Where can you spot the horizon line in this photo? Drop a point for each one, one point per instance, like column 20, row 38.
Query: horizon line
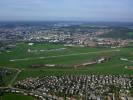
column 63, row 21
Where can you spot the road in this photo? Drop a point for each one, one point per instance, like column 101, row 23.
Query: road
column 86, row 90
column 22, row 91
column 15, row 77
column 28, row 92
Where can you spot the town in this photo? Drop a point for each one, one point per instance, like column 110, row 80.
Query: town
column 66, row 49
column 64, row 61
column 91, row 87
column 64, row 33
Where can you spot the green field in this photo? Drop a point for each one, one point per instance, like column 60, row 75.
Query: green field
column 40, row 53
column 130, row 33
column 15, row 97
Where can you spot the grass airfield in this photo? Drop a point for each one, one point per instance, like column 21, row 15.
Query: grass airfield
column 24, row 55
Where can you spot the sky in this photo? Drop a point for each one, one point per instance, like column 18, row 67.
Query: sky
column 67, row 10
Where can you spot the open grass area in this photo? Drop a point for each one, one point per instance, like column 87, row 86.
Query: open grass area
column 130, row 33
column 7, row 78
column 15, row 97
column 21, row 58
